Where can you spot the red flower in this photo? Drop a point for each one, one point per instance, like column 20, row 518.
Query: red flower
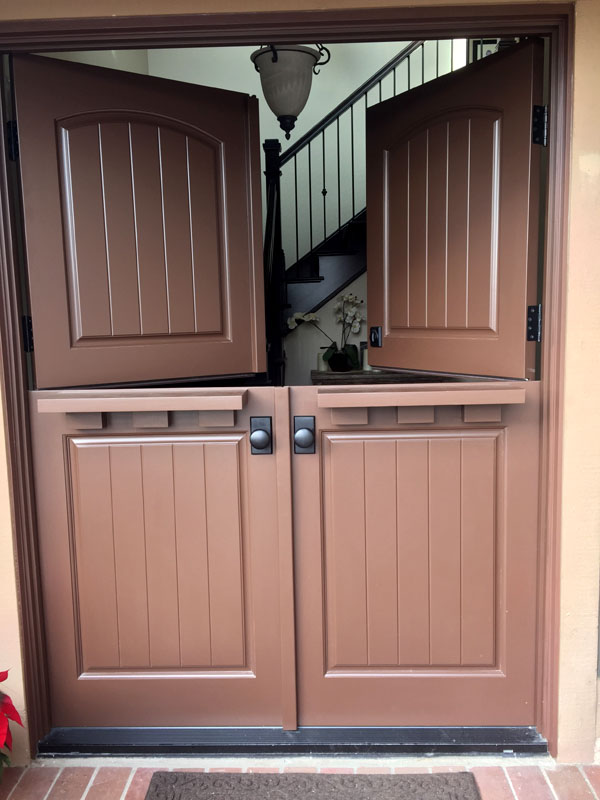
column 7, row 712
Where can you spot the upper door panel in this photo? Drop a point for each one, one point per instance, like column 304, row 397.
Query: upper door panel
column 452, row 194
column 142, row 221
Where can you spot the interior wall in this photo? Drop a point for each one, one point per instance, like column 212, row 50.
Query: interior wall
column 128, row 60
column 231, row 68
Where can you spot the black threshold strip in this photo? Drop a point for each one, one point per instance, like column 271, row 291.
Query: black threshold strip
column 265, row 741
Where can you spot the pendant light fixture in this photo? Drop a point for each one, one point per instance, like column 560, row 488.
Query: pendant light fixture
column 286, row 76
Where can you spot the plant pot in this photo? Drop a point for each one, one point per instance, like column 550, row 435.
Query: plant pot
column 339, row 362
column 342, row 360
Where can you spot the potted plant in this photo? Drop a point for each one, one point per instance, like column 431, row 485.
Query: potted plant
column 347, row 313
column 7, row 713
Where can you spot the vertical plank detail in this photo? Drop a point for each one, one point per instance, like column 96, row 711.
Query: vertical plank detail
column 413, row 551
column 161, row 558
column 224, row 529
column 444, row 550
column 381, row 551
column 417, row 240
column 84, row 223
column 130, row 555
column 192, row 560
column 458, row 211
column 121, row 252
column 149, row 228
column 437, row 221
column 176, row 221
column 478, row 493
column 206, row 230
column 95, row 557
column 345, row 554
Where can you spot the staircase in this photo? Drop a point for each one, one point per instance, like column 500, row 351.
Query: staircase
column 315, row 236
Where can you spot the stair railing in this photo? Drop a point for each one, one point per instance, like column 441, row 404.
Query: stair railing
column 330, row 153
column 329, row 159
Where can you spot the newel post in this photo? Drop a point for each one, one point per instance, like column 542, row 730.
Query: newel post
column 274, row 265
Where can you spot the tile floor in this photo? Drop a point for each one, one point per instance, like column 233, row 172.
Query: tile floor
column 128, row 779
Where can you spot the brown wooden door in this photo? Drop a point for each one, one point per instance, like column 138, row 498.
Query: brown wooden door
column 452, row 198
column 142, row 215
column 415, row 526
column 162, row 541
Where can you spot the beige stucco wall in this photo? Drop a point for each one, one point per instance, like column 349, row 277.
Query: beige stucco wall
column 581, row 489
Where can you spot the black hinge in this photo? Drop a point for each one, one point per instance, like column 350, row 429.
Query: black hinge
column 27, row 334
column 539, row 125
column 12, row 140
column 534, row 323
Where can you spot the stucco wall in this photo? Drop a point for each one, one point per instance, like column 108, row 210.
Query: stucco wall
column 581, row 488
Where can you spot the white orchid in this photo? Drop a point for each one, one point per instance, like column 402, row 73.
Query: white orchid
column 291, row 323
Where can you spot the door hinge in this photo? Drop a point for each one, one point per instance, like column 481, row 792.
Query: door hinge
column 27, row 333
column 539, row 125
column 534, row 323
column 12, row 140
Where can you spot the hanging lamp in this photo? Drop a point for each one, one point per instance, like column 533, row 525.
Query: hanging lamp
column 286, row 76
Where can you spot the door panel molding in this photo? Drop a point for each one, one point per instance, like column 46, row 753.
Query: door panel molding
column 406, row 549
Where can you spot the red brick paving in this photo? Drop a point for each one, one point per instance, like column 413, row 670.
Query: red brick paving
column 35, row 783
column 10, row 778
column 139, row 784
column 529, row 783
column 71, row 783
column 492, row 782
column 569, row 783
column 593, row 776
column 108, row 783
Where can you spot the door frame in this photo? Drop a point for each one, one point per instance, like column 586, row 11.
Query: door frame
column 553, row 20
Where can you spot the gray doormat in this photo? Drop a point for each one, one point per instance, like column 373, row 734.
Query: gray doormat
column 223, row 786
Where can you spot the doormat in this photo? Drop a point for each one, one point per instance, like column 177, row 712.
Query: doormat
column 222, row 786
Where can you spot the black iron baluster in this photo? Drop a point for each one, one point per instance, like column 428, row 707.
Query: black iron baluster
column 324, row 189
column 310, row 214
column 338, row 176
column 380, row 98
column 352, row 157
column 296, row 204
column 394, row 81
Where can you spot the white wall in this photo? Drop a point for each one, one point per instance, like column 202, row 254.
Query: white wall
column 128, row 60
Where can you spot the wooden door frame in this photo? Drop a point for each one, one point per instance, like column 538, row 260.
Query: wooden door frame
column 553, row 20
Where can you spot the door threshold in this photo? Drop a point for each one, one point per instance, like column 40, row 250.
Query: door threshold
column 265, row 741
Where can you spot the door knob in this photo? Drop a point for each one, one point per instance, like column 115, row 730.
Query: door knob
column 304, row 435
column 261, row 438
column 304, row 438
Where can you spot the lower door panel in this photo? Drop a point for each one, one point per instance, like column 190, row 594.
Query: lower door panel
column 416, row 534
column 159, row 557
